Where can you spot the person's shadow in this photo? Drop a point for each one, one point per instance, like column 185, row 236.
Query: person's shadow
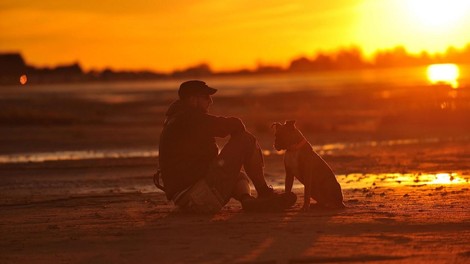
column 235, row 236
column 282, row 237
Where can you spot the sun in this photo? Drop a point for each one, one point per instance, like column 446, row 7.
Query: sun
column 438, row 14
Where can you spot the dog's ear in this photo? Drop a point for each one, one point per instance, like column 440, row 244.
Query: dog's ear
column 290, row 123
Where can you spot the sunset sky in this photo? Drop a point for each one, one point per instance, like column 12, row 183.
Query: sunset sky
column 227, row 34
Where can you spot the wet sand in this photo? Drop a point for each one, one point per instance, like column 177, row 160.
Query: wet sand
column 406, row 183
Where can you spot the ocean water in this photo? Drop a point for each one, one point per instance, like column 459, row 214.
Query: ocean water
column 324, row 82
column 330, row 149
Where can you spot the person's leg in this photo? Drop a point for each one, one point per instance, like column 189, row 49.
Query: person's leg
column 243, row 150
column 206, row 198
column 241, row 188
column 200, row 198
column 226, row 180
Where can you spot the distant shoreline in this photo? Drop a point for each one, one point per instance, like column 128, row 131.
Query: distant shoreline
column 13, row 67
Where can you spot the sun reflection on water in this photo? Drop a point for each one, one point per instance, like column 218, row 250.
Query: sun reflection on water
column 400, row 179
column 447, row 178
column 446, row 73
column 366, row 181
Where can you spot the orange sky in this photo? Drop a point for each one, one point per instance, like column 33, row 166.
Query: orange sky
column 227, row 34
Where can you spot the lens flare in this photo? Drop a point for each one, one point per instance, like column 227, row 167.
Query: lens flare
column 23, row 79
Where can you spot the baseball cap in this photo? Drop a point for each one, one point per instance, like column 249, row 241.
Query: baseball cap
column 195, row 88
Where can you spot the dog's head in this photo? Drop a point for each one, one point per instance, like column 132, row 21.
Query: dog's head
column 286, row 135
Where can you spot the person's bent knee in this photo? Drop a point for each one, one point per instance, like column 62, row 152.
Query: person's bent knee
column 242, row 187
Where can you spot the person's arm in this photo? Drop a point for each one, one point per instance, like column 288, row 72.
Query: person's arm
column 224, row 126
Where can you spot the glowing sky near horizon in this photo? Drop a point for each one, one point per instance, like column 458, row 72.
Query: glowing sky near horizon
column 230, row 34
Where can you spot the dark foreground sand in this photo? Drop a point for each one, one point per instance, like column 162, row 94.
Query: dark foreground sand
column 425, row 224
column 402, row 159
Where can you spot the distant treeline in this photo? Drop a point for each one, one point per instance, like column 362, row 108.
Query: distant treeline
column 13, row 66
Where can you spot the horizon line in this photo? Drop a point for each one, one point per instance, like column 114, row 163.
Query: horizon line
column 332, row 53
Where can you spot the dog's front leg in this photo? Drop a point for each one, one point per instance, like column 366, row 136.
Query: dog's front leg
column 306, row 171
column 289, row 180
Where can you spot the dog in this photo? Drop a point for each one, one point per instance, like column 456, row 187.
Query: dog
column 302, row 162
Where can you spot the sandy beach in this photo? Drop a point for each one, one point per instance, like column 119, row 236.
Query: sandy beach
column 72, row 192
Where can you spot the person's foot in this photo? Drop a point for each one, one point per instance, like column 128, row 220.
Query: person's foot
column 268, row 192
column 269, row 203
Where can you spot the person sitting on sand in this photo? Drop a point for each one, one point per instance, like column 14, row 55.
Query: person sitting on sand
column 196, row 177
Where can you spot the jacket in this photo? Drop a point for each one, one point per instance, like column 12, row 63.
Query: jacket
column 187, row 145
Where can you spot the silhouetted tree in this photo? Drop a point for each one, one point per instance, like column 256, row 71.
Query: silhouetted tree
column 301, row 64
column 268, row 69
column 72, row 69
column 349, row 59
column 323, row 62
column 200, row 70
column 465, row 54
column 395, row 57
column 424, row 58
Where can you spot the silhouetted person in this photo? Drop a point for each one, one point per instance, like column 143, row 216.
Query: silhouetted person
column 196, row 176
